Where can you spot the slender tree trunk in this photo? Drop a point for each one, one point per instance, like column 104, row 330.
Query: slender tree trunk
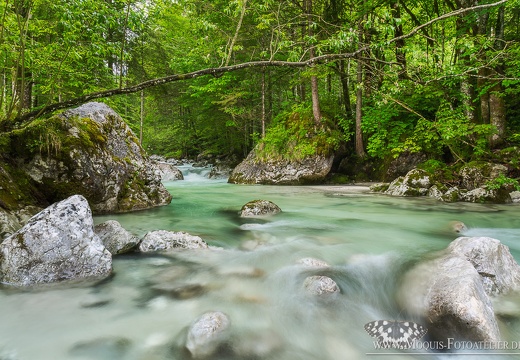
column 316, row 110
column 400, row 55
column 263, row 103
column 360, row 147
column 235, row 37
column 344, row 79
column 142, row 119
column 497, row 106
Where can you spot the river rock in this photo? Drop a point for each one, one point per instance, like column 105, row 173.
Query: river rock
column 319, row 285
column 168, row 172
column 475, row 175
column 109, row 348
column 259, row 208
column 207, row 334
column 449, row 293
column 416, row 183
column 311, row 170
column 484, row 195
column 454, row 291
column 57, row 244
column 312, row 263
column 116, row 239
column 91, row 151
column 500, row 273
column 161, row 240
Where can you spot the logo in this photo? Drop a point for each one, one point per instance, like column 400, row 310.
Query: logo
column 395, row 334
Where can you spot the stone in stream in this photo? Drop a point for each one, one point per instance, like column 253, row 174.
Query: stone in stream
column 454, row 291
column 168, row 172
column 207, row 334
column 56, row 244
column 312, row 263
column 320, row 285
column 259, row 208
column 109, row 348
column 116, row 239
column 90, row 151
column 162, row 240
column 255, row 170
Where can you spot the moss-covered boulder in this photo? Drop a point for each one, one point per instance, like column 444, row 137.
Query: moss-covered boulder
column 89, row 151
column 255, row 170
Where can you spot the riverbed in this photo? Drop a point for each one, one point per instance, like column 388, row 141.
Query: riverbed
column 252, row 275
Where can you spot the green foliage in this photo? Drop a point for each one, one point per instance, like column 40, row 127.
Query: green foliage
column 502, row 181
column 294, row 136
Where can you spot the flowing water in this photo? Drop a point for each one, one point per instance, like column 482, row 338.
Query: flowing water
column 368, row 239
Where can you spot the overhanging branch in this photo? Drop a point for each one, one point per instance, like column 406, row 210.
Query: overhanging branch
column 221, row 70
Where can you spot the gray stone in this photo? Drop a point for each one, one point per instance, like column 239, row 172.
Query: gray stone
column 416, row 183
column 102, row 161
column 449, row 293
column 498, row 269
column 515, row 196
column 435, row 193
column 483, row 195
column 259, row 208
column 476, row 175
column 311, row 170
column 320, row 285
column 116, row 239
column 454, row 291
column 168, row 172
column 312, row 262
column 109, row 348
column 207, row 334
column 161, row 240
column 57, row 244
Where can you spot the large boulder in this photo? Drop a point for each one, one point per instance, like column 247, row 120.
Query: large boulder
column 310, row 170
column 499, row 272
column 161, row 240
column 454, row 290
column 448, row 292
column 56, row 244
column 89, row 151
column 476, row 174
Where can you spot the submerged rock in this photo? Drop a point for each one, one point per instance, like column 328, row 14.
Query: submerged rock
column 57, row 244
column 311, row 170
column 454, row 291
column 109, row 348
column 161, row 240
column 259, row 208
column 207, row 334
column 90, row 151
column 116, row 239
column 312, row 262
column 319, row 285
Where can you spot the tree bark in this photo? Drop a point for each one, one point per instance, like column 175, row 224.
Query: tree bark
column 316, row 110
column 359, row 146
column 497, row 106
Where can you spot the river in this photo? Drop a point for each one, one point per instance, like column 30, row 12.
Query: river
column 368, row 239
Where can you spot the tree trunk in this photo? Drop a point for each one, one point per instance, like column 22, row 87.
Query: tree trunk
column 316, row 110
column 400, row 55
column 344, row 79
column 360, row 147
column 497, row 106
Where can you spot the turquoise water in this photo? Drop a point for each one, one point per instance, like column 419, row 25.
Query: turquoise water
column 368, row 239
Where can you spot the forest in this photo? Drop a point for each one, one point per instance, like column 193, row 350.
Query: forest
column 190, row 77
